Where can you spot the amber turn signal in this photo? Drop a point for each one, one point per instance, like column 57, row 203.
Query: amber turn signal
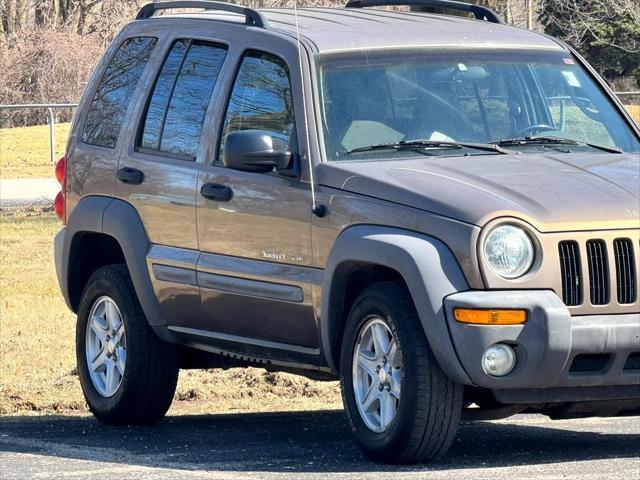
column 490, row 317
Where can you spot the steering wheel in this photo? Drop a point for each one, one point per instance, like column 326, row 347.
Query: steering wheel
column 531, row 128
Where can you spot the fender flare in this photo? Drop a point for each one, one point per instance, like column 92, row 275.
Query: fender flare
column 119, row 220
column 427, row 266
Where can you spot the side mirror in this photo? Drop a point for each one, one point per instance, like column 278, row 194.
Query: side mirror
column 252, row 151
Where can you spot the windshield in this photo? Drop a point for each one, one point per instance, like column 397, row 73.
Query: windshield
column 385, row 99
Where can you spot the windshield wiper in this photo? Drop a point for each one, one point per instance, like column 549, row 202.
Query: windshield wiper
column 424, row 144
column 552, row 140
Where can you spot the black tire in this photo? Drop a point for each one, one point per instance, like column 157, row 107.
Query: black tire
column 151, row 372
column 428, row 413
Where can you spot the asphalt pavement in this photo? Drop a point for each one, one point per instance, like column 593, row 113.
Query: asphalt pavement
column 308, row 445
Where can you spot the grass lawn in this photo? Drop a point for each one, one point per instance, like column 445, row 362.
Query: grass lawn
column 24, row 151
column 635, row 112
column 37, row 348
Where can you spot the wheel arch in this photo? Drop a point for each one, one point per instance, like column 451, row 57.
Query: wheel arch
column 424, row 264
column 114, row 232
column 83, row 261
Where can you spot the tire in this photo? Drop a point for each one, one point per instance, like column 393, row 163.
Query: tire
column 428, row 410
column 147, row 382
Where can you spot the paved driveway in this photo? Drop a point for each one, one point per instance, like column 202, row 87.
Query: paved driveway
column 27, row 191
column 308, row 445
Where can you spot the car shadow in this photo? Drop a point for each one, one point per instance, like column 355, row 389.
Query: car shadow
column 316, row 441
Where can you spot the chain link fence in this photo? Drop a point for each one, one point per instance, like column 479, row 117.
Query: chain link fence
column 50, row 108
column 631, row 100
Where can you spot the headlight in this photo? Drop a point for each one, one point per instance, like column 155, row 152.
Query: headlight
column 509, row 251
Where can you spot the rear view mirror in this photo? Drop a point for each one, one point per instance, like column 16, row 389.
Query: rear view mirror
column 471, row 74
column 252, row 151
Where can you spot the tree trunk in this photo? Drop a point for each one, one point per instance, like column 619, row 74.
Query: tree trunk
column 40, row 12
column 22, row 8
column 82, row 19
column 7, row 17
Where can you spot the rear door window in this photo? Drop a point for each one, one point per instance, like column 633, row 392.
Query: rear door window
column 178, row 105
column 115, row 91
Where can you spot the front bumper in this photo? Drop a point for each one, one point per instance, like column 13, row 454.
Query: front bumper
column 553, row 349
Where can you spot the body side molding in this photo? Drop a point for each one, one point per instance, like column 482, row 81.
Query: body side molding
column 242, row 276
column 251, row 288
column 258, row 269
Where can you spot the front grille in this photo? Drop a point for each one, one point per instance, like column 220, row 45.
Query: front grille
column 599, row 288
column 571, row 271
column 598, row 271
column 625, row 271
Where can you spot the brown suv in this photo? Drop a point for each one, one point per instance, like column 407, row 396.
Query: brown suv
column 442, row 212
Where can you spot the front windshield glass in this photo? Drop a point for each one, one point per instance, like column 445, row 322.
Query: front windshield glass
column 382, row 98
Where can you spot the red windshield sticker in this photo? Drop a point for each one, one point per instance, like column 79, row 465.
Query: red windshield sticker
column 568, row 61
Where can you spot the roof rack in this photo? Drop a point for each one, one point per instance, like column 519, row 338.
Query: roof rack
column 481, row 13
column 252, row 17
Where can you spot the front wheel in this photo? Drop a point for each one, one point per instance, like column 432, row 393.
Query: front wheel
column 128, row 375
column 401, row 406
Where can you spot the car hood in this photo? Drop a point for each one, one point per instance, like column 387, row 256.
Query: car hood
column 563, row 192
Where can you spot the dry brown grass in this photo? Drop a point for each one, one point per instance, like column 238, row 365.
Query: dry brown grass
column 634, row 110
column 37, row 359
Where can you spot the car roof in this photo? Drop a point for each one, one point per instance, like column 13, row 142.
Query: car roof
column 341, row 29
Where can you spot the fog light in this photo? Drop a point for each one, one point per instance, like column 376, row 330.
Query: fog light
column 499, row 360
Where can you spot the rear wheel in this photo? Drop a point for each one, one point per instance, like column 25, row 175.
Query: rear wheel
column 402, row 407
column 128, row 375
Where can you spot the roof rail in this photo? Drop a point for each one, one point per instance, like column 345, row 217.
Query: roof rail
column 252, row 17
column 481, row 13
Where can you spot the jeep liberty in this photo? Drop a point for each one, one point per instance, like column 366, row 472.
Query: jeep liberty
column 442, row 212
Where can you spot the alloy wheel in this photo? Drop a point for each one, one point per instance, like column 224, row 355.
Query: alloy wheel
column 106, row 347
column 377, row 374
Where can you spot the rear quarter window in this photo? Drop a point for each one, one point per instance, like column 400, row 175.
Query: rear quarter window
column 115, row 91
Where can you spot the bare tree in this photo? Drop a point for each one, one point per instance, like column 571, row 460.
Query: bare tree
column 607, row 32
column 579, row 20
column 14, row 15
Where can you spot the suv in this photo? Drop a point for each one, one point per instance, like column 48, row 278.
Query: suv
column 441, row 212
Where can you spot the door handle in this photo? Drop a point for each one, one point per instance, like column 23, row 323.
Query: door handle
column 131, row 176
column 217, row 192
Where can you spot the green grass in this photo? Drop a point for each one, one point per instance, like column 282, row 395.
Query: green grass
column 24, row 151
